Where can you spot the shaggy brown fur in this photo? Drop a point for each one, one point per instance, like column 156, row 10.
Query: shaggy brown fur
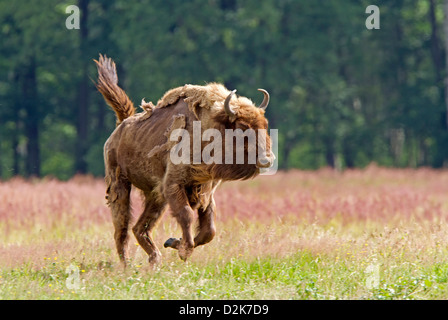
column 138, row 153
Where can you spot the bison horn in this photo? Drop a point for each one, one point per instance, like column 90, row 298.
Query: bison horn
column 265, row 102
column 227, row 106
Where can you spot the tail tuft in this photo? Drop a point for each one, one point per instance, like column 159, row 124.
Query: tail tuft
column 107, row 85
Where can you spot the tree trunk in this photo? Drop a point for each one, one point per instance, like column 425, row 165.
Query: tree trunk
column 330, row 157
column 30, row 105
column 348, row 153
column 1, row 165
column 83, row 95
column 15, row 145
column 329, row 151
column 435, row 43
column 18, row 101
column 283, row 160
column 445, row 25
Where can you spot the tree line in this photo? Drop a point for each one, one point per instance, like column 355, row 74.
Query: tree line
column 342, row 95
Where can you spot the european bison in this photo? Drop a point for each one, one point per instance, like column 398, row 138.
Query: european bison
column 140, row 151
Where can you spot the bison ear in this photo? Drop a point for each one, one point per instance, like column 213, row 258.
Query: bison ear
column 228, row 108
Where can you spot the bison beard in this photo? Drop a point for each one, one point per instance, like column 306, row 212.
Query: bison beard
column 138, row 153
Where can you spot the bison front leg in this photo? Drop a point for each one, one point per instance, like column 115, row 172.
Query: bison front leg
column 178, row 201
column 206, row 228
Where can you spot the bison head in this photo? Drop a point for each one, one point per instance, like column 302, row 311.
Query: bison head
column 242, row 117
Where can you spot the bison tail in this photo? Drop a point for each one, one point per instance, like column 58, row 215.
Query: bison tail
column 107, row 84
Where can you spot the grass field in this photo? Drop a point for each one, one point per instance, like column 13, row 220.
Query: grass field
column 362, row 234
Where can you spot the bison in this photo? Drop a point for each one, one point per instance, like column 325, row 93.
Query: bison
column 138, row 153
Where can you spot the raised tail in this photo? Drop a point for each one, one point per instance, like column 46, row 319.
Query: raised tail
column 107, row 84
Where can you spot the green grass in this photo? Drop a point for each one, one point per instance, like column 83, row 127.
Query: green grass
column 300, row 276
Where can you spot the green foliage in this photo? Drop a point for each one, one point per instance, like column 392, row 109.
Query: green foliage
column 341, row 95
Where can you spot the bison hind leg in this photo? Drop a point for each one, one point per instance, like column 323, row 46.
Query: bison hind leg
column 154, row 209
column 118, row 197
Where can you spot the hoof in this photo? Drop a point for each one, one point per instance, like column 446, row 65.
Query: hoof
column 172, row 243
column 185, row 251
column 155, row 259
